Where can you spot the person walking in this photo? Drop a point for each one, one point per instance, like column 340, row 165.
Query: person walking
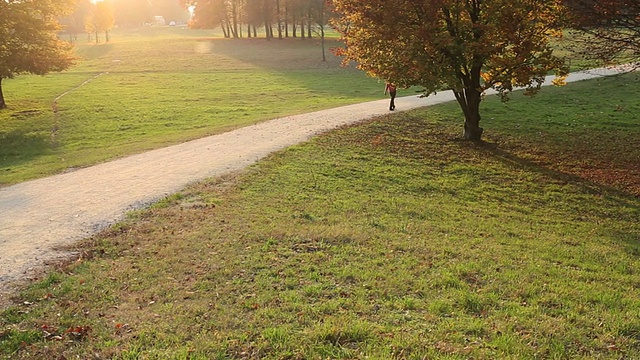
column 391, row 90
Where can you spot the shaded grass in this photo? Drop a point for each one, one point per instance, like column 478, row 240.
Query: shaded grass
column 392, row 239
column 588, row 129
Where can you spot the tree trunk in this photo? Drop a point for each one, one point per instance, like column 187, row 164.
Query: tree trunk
column 469, row 101
column 267, row 28
column 321, row 24
column 279, row 19
column 324, row 56
column 3, row 105
column 294, row 25
column 228, row 24
column 234, row 18
column 286, row 21
column 472, row 131
column 224, row 29
column 469, row 98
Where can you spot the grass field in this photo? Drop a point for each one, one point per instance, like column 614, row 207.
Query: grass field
column 159, row 86
column 389, row 240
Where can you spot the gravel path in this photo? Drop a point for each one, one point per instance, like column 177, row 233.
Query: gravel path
column 40, row 215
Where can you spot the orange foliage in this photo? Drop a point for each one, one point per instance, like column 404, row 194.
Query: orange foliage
column 464, row 45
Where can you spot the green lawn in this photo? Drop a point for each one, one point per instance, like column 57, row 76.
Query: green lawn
column 389, row 240
column 157, row 86
column 160, row 86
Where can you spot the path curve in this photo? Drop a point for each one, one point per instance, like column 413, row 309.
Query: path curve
column 38, row 216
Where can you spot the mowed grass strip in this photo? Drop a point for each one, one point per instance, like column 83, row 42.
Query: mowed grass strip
column 156, row 87
column 393, row 239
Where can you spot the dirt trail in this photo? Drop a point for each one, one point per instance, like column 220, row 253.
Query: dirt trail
column 38, row 216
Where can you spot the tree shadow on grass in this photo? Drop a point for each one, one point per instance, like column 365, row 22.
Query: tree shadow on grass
column 618, row 196
column 292, row 58
column 428, row 137
column 621, row 206
column 20, row 147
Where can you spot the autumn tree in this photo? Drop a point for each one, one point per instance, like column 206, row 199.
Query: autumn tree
column 74, row 23
column 28, row 40
column 252, row 14
column 608, row 29
column 209, row 14
column 267, row 11
column 100, row 19
column 320, row 13
column 467, row 46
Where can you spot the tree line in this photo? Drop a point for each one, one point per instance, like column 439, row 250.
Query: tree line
column 276, row 18
column 236, row 18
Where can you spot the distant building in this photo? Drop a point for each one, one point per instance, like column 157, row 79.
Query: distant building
column 159, row 20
